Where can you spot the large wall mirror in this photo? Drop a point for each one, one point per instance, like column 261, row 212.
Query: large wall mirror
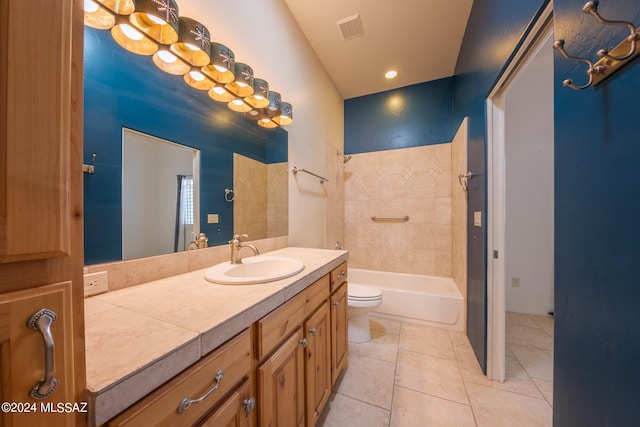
column 126, row 91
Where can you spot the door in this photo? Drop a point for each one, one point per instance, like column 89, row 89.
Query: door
column 318, row 362
column 281, row 385
column 36, row 356
column 500, row 120
column 339, row 327
column 237, row 410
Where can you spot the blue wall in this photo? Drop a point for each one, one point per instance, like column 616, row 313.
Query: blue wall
column 411, row 116
column 122, row 89
column 597, row 238
column 597, row 200
column 493, row 31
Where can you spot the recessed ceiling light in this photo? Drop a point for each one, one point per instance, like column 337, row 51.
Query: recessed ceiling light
column 391, row 74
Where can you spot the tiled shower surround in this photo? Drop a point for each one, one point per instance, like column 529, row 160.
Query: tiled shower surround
column 412, row 181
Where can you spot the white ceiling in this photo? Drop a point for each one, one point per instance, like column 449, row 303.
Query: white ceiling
column 421, row 39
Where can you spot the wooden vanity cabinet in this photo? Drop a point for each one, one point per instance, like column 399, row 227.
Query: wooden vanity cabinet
column 295, row 358
column 41, row 243
column 164, row 407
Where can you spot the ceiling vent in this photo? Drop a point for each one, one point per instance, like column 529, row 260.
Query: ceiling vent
column 351, row 27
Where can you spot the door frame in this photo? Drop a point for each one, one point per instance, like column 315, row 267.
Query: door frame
column 535, row 35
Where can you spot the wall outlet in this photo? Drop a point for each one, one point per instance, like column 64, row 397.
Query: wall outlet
column 515, row 282
column 212, row 218
column 95, row 283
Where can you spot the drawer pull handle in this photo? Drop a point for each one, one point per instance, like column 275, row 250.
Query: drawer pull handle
column 41, row 321
column 312, row 331
column 249, row 404
column 186, row 402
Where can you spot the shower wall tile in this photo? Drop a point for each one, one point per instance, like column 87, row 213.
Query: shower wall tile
column 415, row 182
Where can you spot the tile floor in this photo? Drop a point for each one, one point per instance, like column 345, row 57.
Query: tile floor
column 414, row 375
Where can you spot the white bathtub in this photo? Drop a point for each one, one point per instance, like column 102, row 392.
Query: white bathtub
column 431, row 300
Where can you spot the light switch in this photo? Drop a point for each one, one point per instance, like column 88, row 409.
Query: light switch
column 212, row 218
column 477, row 219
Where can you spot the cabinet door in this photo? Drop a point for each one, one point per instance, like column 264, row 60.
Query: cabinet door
column 281, row 385
column 339, row 327
column 35, row 127
column 23, row 355
column 236, row 411
column 318, row 362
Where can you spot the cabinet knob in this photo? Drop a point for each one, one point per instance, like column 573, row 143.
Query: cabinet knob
column 303, row 341
column 336, row 303
column 312, row 331
column 249, row 404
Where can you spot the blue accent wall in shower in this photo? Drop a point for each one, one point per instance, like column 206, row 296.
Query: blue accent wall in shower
column 122, row 89
column 410, row 116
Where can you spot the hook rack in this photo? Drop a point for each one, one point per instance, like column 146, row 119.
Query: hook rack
column 90, row 169
column 610, row 60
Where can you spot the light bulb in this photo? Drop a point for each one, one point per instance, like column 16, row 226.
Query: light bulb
column 131, row 32
column 196, row 75
column 90, row 6
column 167, row 56
column 391, row 74
column 156, row 20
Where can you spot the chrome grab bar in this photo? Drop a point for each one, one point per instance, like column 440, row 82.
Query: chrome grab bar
column 390, row 218
column 41, row 321
column 296, row 169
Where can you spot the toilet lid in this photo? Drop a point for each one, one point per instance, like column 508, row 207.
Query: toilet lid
column 363, row 292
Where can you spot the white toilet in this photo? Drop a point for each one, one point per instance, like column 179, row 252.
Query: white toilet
column 361, row 300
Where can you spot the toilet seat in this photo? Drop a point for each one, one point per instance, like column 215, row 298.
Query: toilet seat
column 357, row 292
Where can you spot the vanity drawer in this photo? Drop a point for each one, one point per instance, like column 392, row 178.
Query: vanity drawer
column 277, row 325
column 315, row 295
column 338, row 276
column 162, row 406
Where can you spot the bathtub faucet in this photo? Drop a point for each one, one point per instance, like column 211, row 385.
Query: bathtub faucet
column 236, row 245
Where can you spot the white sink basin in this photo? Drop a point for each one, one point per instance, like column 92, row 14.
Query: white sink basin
column 256, row 269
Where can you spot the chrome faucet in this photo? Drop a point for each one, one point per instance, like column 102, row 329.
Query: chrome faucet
column 236, row 245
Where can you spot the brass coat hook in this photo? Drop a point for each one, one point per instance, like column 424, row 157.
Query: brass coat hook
column 610, row 61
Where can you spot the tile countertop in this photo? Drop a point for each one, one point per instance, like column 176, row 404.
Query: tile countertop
column 140, row 337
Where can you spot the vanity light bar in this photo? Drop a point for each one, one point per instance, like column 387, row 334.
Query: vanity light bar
column 182, row 46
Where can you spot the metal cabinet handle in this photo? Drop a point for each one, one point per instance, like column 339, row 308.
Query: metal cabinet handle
column 41, row 321
column 303, row 341
column 312, row 331
column 249, row 404
column 186, row 402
